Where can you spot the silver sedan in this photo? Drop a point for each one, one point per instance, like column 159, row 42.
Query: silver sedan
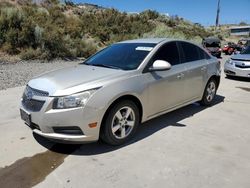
column 239, row 65
column 118, row 88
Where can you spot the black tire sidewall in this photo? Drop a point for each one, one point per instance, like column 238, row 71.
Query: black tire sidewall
column 107, row 135
column 204, row 100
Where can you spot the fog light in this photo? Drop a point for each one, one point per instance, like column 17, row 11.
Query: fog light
column 68, row 130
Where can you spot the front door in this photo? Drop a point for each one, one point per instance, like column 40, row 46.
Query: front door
column 165, row 88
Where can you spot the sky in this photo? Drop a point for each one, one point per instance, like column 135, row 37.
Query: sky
column 197, row 11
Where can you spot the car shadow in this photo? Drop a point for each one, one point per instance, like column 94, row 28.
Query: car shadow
column 236, row 78
column 144, row 130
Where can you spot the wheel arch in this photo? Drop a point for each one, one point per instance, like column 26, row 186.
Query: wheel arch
column 216, row 78
column 122, row 98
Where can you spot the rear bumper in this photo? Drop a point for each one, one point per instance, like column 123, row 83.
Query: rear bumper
column 216, row 54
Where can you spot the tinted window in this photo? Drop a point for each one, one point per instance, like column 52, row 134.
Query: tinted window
column 126, row 56
column 190, row 52
column 246, row 51
column 203, row 54
column 168, row 52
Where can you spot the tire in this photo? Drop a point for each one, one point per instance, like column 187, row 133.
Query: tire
column 120, row 123
column 209, row 93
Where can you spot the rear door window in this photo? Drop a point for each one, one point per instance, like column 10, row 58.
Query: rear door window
column 202, row 53
column 189, row 52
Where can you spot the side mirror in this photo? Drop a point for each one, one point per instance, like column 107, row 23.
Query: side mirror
column 160, row 65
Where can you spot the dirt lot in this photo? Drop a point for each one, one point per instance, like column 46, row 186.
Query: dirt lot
column 190, row 147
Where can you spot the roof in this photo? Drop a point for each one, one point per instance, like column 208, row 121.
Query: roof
column 146, row 40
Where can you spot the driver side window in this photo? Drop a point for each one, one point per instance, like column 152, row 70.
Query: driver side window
column 168, row 52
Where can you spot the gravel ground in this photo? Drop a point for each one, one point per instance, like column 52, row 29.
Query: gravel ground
column 18, row 74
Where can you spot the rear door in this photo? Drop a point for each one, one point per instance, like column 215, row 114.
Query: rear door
column 195, row 61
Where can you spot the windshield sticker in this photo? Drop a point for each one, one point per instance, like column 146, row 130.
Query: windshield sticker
column 144, row 48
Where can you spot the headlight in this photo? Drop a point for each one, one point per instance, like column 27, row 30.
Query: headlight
column 73, row 101
column 230, row 62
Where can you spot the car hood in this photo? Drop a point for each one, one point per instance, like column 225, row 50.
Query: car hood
column 243, row 57
column 74, row 79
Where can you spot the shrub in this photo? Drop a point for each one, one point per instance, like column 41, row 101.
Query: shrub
column 53, row 30
column 30, row 53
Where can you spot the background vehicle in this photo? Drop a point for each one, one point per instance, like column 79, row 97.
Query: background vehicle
column 239, row 65
column 229, row 48
column 213, row 46
column 242, row 44
column 121, row 86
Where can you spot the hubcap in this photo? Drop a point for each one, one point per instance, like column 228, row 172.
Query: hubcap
column 211, row 90
column 123, row 122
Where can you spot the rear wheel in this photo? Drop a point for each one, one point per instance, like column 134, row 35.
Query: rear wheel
column 120, row 123
column 209, row 93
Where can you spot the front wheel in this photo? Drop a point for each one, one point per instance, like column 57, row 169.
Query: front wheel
column 209, row 93
column 120, row 123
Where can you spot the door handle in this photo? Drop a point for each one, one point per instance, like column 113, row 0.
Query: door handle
column 181, row 75
column 203, row 68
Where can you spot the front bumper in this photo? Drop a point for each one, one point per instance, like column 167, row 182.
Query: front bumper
column 47, row 120
column 232, row 70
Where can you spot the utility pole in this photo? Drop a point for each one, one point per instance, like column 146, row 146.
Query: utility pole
column 218, row 15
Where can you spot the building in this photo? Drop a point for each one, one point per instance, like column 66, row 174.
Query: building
column 240, row 30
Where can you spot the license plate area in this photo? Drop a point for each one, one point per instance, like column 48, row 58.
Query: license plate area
column 25, row 117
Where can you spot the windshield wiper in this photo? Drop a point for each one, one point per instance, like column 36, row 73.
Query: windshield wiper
column 104, row 65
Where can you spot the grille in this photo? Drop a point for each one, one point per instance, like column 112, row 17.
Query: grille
column 242, row 67
column 32, row 104
column 36, row 92
column 240, row 59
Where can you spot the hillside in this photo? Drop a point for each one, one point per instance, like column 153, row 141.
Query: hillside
column 47, row 29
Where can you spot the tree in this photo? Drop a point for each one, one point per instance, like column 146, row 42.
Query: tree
column 242, row 23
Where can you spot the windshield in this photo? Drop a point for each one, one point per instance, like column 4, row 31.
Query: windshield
column 246, row 51
column 125, row 56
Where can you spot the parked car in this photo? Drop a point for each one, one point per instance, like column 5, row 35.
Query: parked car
column 242, row 44
column 245, row 42
column 118, row 88
column 229, row 48
column 213, row 46
column 239, row 64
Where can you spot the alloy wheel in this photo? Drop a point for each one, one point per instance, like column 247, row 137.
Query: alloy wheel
column 211, row 90
column 123, row 122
